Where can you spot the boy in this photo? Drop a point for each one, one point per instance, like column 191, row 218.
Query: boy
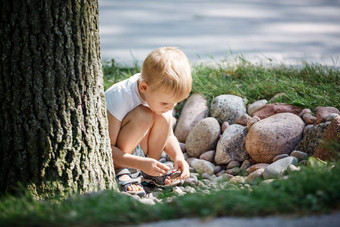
column 140, row 115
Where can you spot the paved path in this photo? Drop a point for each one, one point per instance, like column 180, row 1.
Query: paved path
column 332, row 220
column 290, row 31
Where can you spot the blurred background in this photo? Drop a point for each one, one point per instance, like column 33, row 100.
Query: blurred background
column 289, row 31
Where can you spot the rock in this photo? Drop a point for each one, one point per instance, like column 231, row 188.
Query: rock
column 275, row 169
column 189, row 189
column 190, row 181
column 332, row 134
column 242, row 120
column 220, row 173
column 309, row 118
column 208, row 156
column 227, row 108
column 245, row 164
column 206, row 176
column 194, row 110
column 275, row 108
column 268, row 181
column 231, row 145
column 252, row 108
column 178, row 191
column 217, row 169
column 292, row 168
column 304, row 111
column 323, row 112
column 312, row 138
column 280, row 156
column 332, row 116
column 224, row 126
column 186, row 156
column 257, row 174
column 147, row 201
column 234, row 171
column 202, row 166
column 307, row 129
column 203, row 137
column 252, row 121
column 256, row 167
column 278, row 134
column 182, row 146
column 190, row 160
column 237, row 180
column 233, row 164
column 299, row 155
column 191, row 169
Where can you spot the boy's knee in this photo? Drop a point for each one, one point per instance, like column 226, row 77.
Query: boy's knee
column 164, row 119
column 144, row 116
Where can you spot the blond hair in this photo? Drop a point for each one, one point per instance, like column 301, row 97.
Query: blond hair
column 168, row 68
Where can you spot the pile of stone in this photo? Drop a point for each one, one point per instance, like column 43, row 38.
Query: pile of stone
column 258, row 141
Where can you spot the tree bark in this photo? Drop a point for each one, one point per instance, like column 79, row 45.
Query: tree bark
column 53, row 137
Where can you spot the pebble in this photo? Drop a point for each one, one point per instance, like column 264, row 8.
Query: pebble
column 147, row 201
column 217, row 169
column 234, row 171
column 332, row 116
column 304, row 111
column 208, row 156
column 268, row 181
column 222, row 172
column 206, row 176
column 299, row 155
column 255, row 175
column 224, row 126
column 182, row 146
column 238, row 180
column 233, row 164
column 190, row 181
column 252, row 121
column 189, row 189
column 278, row 168
column 202, row 166
column 256, row 167
column 280, row 156
column 292, row 168
column 162, row 160
column 252, row 108
column 245, row 164
column 186, row 156
column 178, row 191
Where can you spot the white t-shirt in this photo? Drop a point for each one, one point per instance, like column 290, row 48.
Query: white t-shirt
column 123, row 97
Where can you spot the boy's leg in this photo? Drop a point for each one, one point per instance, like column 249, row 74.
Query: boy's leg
column 154, row 142
column 135, row 127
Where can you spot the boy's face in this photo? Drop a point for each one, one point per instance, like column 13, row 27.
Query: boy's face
column 159, row 101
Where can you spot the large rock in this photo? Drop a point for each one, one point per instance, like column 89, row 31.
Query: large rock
column 203, row 166
column 323, row 112
column 231, row 145
column 203, row 137
column 275, row 108
column 227, row 108
column 278, row 134
column 312, row 138
column 194, row 110
column 331, row 135
column 275, row 169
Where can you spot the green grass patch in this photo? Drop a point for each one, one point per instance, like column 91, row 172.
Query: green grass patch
column 307, row 86
column 315, row 189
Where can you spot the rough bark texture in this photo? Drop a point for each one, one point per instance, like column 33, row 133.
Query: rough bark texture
column 53, row 136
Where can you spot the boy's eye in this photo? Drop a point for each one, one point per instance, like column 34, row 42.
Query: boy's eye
column 164, row 103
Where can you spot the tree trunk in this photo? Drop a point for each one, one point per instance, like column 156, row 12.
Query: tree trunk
column 53, row 137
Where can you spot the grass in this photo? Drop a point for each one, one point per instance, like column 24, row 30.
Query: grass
column 315, row 189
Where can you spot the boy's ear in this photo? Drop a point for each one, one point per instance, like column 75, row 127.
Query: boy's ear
column 143, row 86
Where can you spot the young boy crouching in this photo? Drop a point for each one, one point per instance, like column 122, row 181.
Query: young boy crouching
column 140, row 117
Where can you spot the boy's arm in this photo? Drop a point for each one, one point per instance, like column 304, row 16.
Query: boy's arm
column 174, row 151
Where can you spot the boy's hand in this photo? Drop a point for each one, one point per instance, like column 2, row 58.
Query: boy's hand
column 182, row 165
column 154, row 167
